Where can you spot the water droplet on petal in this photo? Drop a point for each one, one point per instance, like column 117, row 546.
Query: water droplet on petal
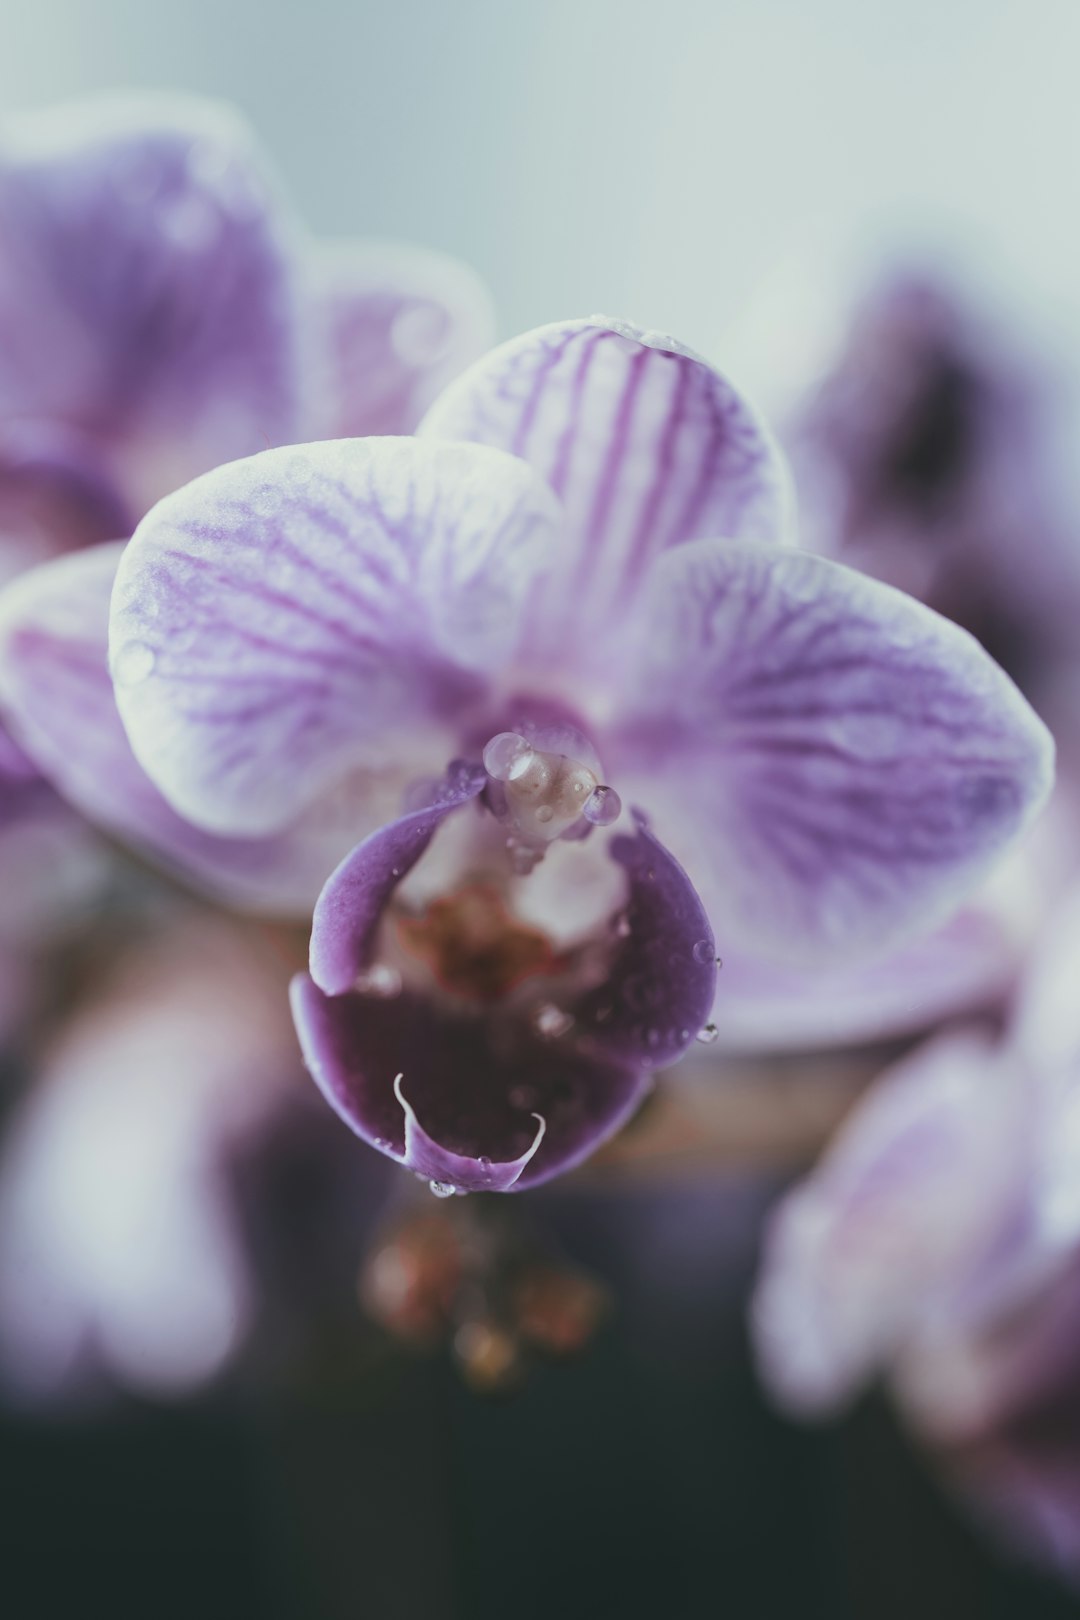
column 708, row 1034
column 442, row 1189
column 507, row 756
column 545, row 813
column 132, row 663
column 602, row 807
column 703, row 951
column 484, row 1163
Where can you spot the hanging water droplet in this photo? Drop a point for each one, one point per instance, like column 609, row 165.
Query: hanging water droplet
column 550, row 1021
column 719, row 962
column 442, row 1189
column 507, row 756
column 703, row 951
column 602, row 807
column 132, row 663
column 708, row 1034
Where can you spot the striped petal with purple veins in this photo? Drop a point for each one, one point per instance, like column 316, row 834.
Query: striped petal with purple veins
column 834, row 762
column 290, row 619
column 148, row 298
column 644, row 443
column 55, row 689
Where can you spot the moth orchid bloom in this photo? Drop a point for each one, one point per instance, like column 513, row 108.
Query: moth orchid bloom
column 938, row 1246
column 560, row 598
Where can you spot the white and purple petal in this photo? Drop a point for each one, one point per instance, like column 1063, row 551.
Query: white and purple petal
column 644, row 443
column 834, row 763
column 289, row 619
column 150, row 291
column 56, row 692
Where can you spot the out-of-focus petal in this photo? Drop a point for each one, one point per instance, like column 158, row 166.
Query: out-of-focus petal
column 148, row 288
column 644, row 443
column 117, row 1249
column 835, row 763
column 905, row 1216
column 308, row 612
column 473, row 1104
column 54, row 497
column 971, row 961
column 55, row 689
column 400, row 323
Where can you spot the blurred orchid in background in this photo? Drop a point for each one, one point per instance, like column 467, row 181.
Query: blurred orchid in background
column 938, row 1245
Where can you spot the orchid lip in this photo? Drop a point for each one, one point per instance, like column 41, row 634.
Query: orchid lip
column 424, row 1155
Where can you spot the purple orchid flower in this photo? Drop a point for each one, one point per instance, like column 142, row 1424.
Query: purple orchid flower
column 938, row 1244
column 529, row 591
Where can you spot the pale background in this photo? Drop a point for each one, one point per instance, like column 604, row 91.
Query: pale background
column 652, row 160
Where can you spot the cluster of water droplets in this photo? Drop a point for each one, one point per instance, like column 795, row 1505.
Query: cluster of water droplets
column 544, row 796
